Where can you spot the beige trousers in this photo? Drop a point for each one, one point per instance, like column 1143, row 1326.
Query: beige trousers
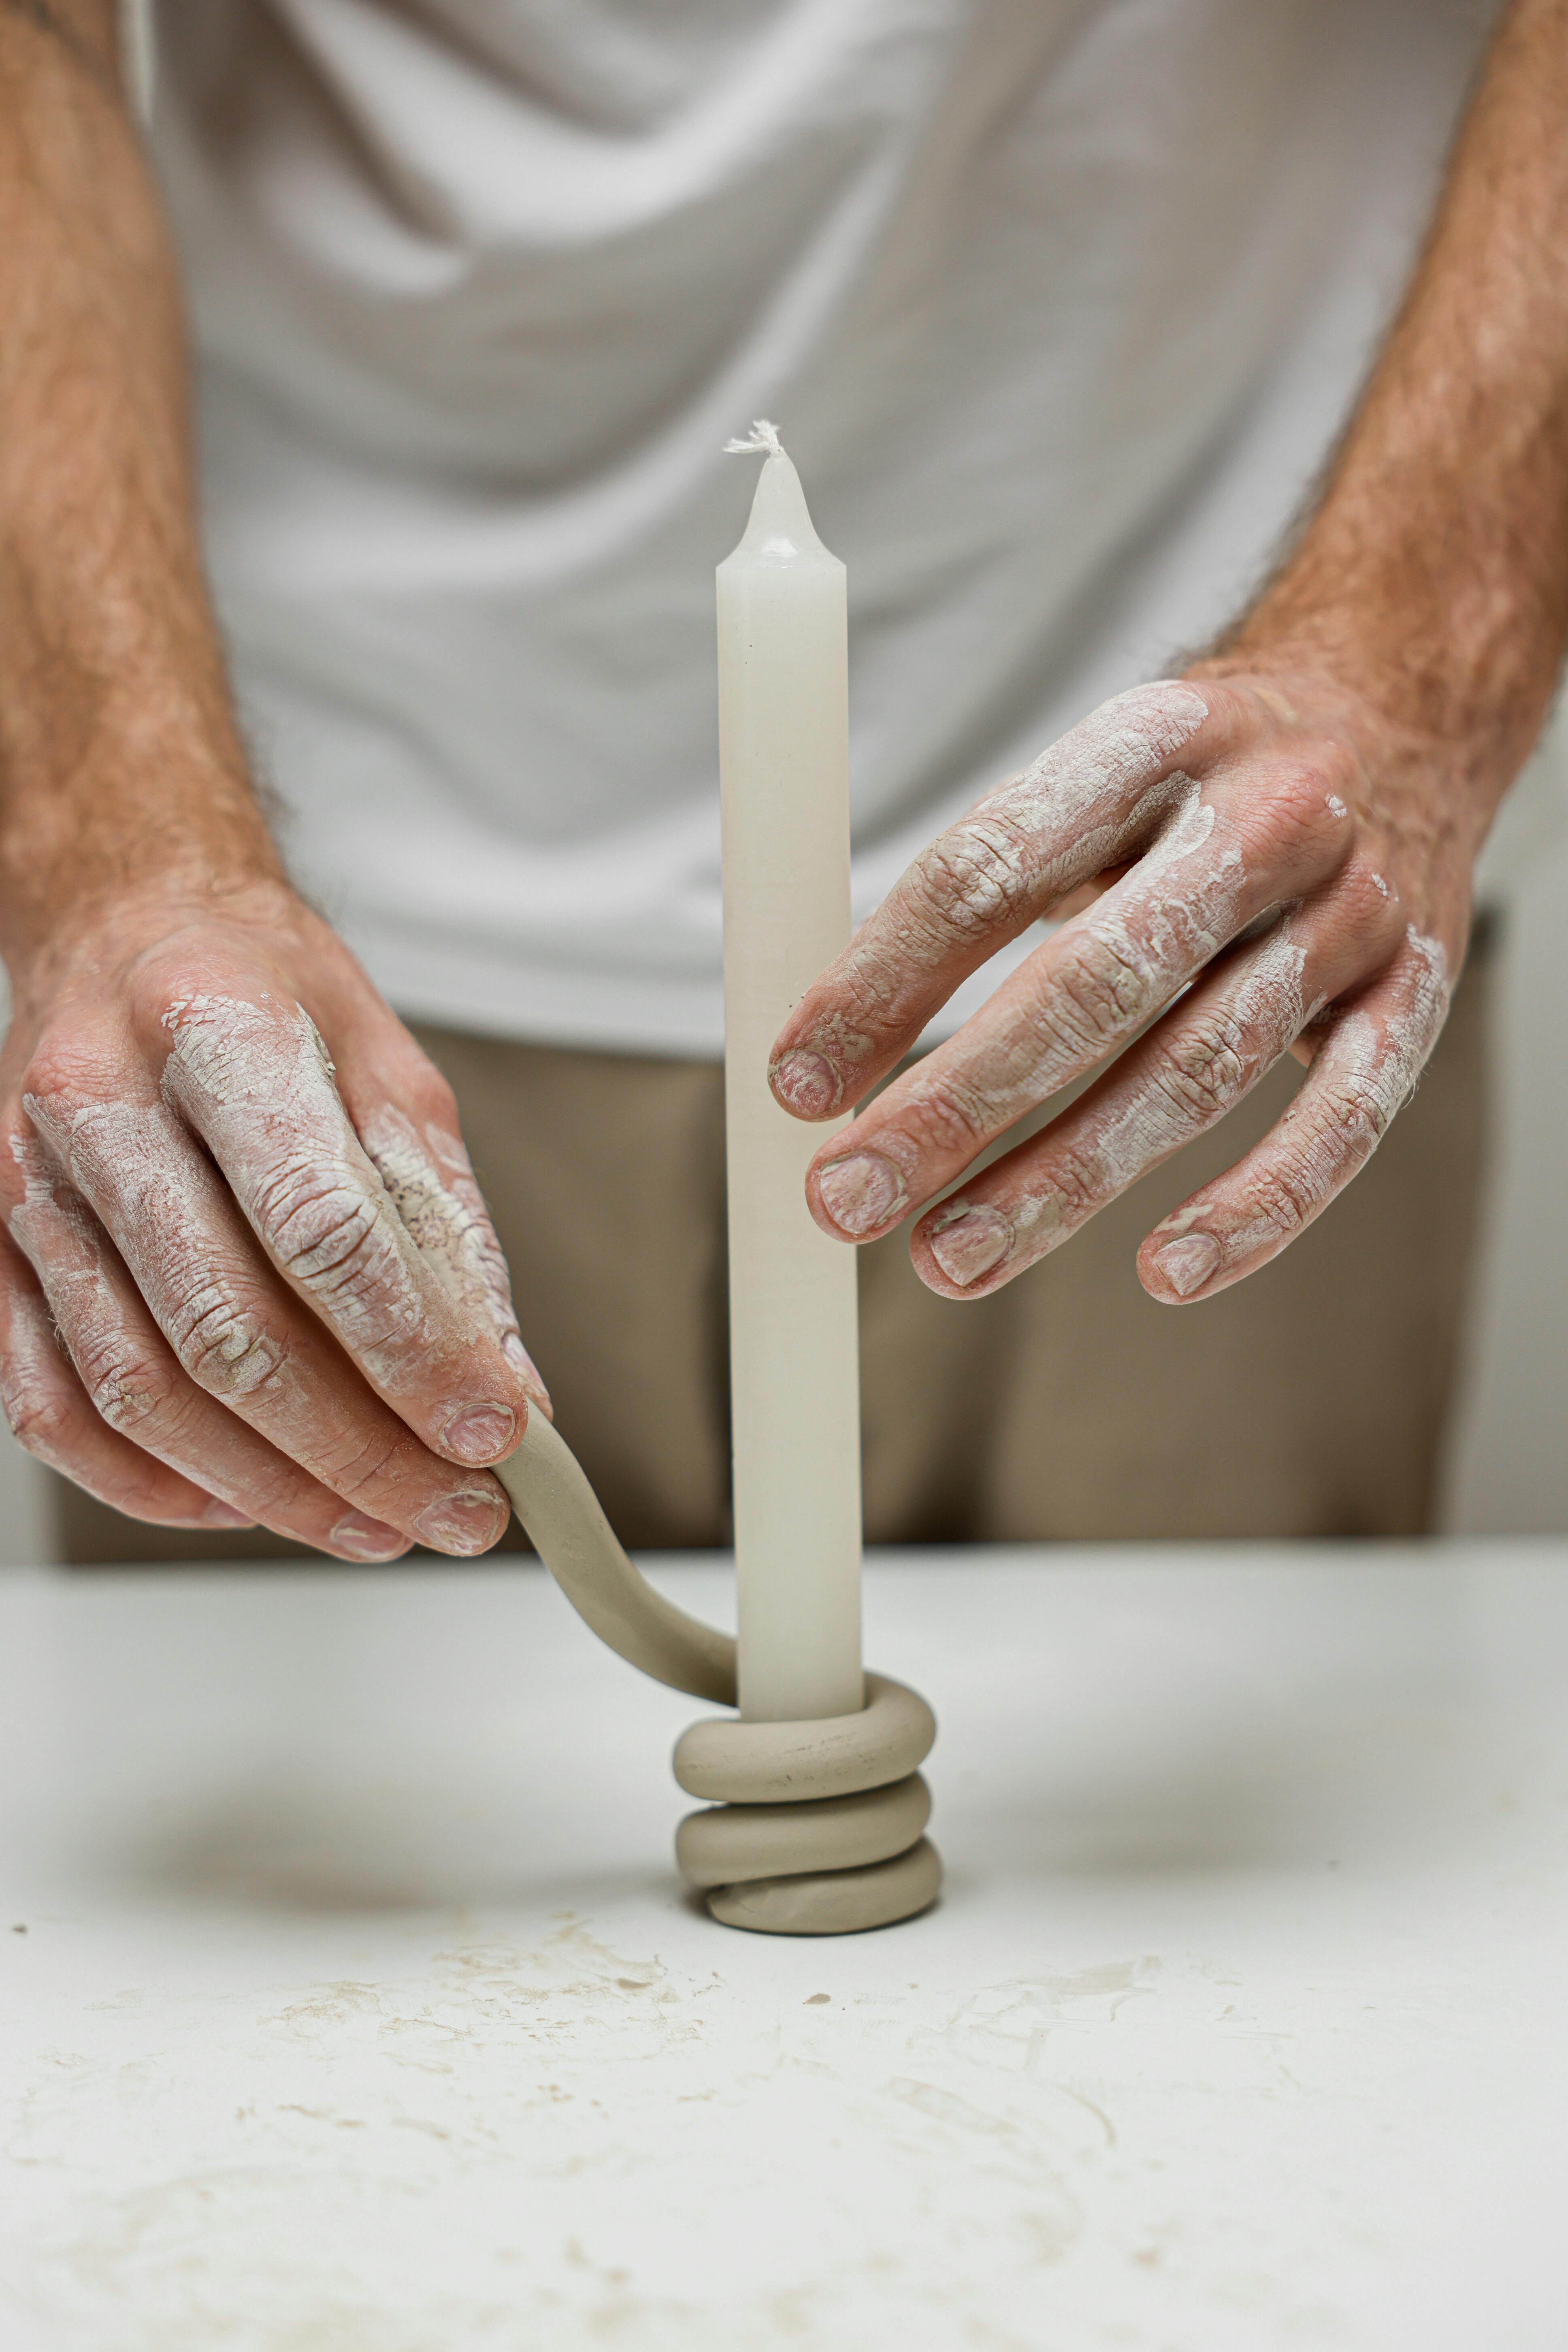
column 1309, row 1401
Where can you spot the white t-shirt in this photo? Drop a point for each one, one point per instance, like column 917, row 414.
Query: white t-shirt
column 1059, row 303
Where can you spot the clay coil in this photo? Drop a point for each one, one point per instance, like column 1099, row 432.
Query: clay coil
column 817, row 1828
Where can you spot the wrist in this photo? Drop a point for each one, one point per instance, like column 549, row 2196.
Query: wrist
column 120, row 919
column 1417, row 589
column 139, row 813
column 1397, row 681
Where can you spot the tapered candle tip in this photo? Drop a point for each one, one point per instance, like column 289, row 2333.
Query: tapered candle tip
column 780, row 524
column 761, row 441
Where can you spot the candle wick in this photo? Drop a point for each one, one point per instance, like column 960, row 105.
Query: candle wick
column 763, row 441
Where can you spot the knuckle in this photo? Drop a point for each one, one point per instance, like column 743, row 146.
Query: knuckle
column 976, row 874
column 364, row 1469
column 1282, row 1199
column 941, row 1116
column 43, row 1421
column 172, row 977
column 222, row 1346
column 1372, row 906
column 1231, row 706
column 1299, row 810
column 322, row 1226
column 1103, row 992
column 1348, row 1122
column 1202, row 1069
column 53, row 1075
column 869, row 984
column 1356, row 1114
column 74, row 1060
column 125, row 1383
column 1079, row 1185
column 1332, row 766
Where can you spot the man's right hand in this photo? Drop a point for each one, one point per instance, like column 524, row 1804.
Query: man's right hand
column 246, row 1274
column 250, row 1276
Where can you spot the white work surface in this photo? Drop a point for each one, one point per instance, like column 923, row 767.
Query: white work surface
column 358, row 2008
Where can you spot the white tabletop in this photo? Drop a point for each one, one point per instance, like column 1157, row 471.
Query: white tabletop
column 343, row 2023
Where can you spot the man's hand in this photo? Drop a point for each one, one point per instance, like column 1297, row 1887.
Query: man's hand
column 244, row 1272
column 1279, row 861
column 234, row 1190
column 1287, row 834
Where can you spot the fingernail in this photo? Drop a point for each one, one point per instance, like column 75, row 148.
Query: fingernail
column 1187, row 1264
column 861, row 1192
column 462, row 1523
column 224, row 1515
column 807, row 1082
column 479, row 1432
column 367, row 1538
column 971, row 1244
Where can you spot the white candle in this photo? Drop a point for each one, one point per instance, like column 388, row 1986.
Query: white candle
column 784, row 760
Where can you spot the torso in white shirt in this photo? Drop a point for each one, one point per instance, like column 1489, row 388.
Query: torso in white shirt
column 1059, row 304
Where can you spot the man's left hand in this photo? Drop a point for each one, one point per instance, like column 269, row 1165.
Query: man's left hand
column 1291, row 874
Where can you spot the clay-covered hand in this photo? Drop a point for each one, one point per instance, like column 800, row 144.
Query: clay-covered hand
column 1286, row 870
column 248, row 1274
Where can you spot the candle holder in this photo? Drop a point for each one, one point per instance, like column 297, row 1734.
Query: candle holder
column 816, row 1828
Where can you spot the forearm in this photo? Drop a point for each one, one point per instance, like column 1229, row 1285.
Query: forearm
column 1433, row 577
column 119, row 758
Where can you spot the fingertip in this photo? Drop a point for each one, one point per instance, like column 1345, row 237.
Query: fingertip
column 359, row 1538
column 859, row 1194
column 481, row 1432
column 806, row 1084
column 488, row 1429
column 968, row 1243
column 1175, row 1271
column 466, row 1523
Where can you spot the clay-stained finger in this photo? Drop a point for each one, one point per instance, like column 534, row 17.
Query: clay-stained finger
column 1214, row 869
column 255, row 1082
column 1180, row 1078
column 50, row 1415
column 237, row 1332
column 1080, row 807
column 431, row 1183
column 140, row 1398
column 1371, row 1053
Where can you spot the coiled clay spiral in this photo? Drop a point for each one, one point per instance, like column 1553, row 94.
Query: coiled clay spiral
column 815, row 1829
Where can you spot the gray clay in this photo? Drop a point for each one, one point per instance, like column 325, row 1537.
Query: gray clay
column 817, row 1827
